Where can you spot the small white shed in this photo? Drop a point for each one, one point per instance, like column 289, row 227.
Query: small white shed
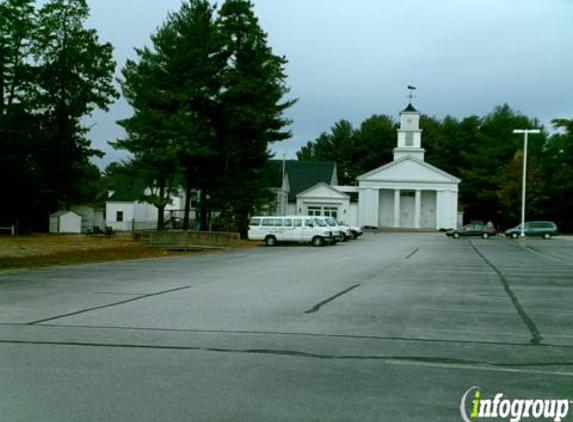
column 65, row 222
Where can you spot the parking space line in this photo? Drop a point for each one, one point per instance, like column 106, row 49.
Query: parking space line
column 317, row 307
column 546, row 255
column 109, row 305
column 538, row 252
column 465, row 311
column 412, row 254
column 478, row 368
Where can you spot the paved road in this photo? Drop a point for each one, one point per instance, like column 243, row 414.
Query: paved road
column 392, row 327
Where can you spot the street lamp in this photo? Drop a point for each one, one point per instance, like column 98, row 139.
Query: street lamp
column 525, row 132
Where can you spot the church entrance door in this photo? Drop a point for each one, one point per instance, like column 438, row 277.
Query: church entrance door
column 407, row 209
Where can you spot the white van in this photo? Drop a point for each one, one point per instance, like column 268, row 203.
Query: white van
column 340, row 233
column 290, row 229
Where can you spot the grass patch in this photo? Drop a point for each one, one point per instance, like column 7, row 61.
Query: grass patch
column 45, row 250
column 86, row 256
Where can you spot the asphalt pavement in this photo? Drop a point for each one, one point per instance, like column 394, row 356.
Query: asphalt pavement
column 390, row 327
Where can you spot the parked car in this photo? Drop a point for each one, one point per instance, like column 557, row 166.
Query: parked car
column 545, row 229
column 273, row 230
column 355, row 231
column 484, row 231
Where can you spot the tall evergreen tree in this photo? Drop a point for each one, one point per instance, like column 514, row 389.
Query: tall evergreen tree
column 17, row 23
column 75, row 76
column 173, row 89
column 251, row 110
column 195, row 48
column 18, row 125
column 208, row 97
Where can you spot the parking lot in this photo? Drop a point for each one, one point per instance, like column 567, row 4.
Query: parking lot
column 392, row 327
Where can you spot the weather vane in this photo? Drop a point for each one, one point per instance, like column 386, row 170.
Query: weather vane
column 411, row 94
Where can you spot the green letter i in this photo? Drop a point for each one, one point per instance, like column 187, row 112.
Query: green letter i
column 476, row 404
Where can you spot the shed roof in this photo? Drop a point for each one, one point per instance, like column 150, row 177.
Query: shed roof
column 63, row 212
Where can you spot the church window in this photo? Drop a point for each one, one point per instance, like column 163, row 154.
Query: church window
column 409, row 139
column 331, row 212
column 316, row 211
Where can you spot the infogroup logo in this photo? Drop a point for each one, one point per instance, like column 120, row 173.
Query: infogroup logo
column 474, row 407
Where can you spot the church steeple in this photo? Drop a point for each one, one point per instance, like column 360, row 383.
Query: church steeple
column 409, row 135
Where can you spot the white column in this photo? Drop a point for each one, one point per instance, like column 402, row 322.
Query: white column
column 397, row 208
column 446, row 210
column 440, row 210
column 368, row 202
column 418, row 209
column 455, row 208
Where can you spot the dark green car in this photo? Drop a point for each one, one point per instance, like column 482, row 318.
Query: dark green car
column 544, row 229
column 482, row 230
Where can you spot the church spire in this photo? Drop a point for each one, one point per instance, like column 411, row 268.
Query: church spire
column 409, row 134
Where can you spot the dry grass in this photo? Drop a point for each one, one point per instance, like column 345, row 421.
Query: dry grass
column 49, row 250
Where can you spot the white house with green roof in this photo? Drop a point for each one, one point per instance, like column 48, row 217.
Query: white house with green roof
column 292, row 178
column 125, row 209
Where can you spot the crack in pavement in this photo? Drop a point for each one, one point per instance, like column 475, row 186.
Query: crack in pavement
column 109, row 305
column 535, row 333
column 294, row 353
column 300, row 334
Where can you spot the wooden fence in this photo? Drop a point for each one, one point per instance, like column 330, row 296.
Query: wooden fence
column 184, row 240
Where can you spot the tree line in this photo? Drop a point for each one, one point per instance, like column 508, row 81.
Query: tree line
column 482, row 151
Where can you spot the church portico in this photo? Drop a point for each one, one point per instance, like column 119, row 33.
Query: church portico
column 403, row 207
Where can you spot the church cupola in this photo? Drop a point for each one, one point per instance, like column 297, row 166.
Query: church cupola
column 409, row 135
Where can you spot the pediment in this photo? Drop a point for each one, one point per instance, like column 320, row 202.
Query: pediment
column 322, row 190
column 408, row 169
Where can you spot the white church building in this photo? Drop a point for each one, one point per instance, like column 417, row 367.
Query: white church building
column 405, row 193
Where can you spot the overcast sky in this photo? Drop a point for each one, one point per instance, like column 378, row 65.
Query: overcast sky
column 349, row 59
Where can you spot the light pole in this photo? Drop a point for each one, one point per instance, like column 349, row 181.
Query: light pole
column 525, row 132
